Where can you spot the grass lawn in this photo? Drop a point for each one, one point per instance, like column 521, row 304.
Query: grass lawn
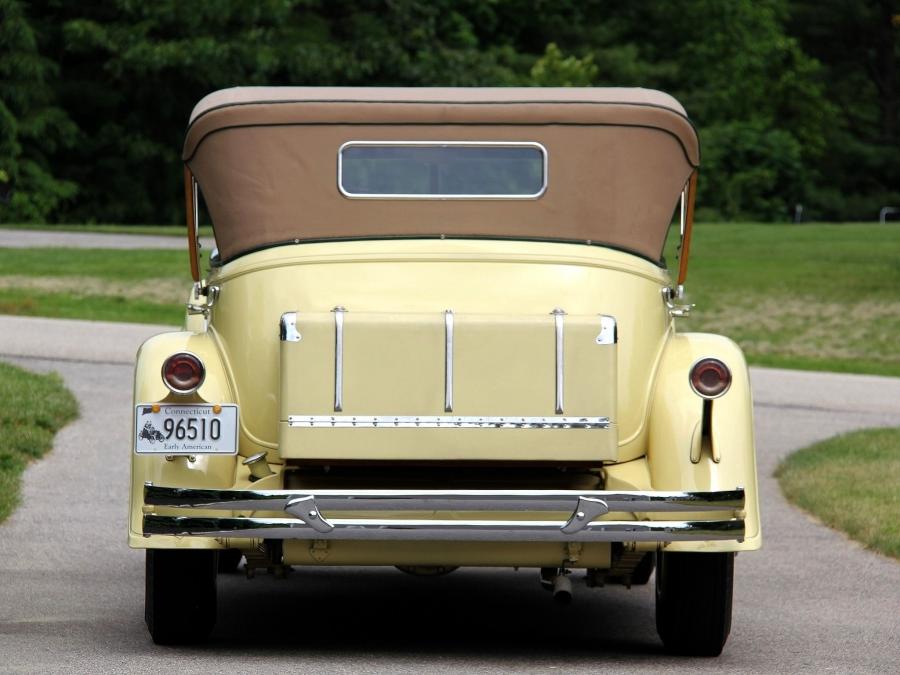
column 32, row 408
column 812, row 296
column 850, row 482
column 140, row 286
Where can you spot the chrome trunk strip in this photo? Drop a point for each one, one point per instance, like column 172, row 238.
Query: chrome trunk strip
column 443, row 530
column 445, row 422
column 558, row 320
column 449, row 500
column 338, row 358
column 448, row 360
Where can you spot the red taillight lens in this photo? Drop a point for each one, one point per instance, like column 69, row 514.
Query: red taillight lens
column 710, row 378
column 183, row 373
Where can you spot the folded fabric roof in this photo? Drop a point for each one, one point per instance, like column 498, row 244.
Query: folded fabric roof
column 266, row 162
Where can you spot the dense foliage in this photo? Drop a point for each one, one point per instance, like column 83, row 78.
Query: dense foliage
column 796, row 100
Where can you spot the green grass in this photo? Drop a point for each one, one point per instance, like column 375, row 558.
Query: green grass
column 32, row 408
column 119, row 265
column 813, row 297
column 26, row 302
column 107, row 228
column 138, row 286
column 850, row 482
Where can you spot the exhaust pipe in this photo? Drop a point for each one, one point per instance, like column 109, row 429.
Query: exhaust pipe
column 562, row 589
column 557, row 581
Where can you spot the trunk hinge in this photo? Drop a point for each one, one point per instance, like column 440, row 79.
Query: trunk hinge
column 203, row 297
column 671, row 297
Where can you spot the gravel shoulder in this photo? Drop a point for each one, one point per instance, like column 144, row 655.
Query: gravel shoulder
column 71, row 592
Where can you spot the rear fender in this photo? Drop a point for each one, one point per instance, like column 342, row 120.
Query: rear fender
column 205, row 471
column 679, row 457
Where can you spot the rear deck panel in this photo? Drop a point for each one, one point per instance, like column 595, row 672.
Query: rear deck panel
column 447, row 386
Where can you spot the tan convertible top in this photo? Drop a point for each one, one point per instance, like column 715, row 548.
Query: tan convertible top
column 266, row 162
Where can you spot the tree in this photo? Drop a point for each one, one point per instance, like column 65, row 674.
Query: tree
column 858, row 43
column 777, row 127
column 32, row 127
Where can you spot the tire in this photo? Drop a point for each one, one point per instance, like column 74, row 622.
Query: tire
column 180, row 599
column 229, row 560
column 693, row 601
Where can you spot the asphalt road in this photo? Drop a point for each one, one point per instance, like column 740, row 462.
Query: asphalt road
column 71, row 592
column 12, row 238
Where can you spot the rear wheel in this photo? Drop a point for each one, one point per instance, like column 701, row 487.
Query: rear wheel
column 180, row 600
column 693, row 601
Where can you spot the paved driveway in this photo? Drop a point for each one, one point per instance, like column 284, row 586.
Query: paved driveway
column 58, row 239
column 71, row 592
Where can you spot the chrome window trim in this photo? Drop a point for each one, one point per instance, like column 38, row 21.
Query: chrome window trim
column 440, row 144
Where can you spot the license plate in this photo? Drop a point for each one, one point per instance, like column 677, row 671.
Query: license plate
column 196, row 429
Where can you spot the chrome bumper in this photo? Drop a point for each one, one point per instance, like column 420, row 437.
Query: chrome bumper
column 307, row 520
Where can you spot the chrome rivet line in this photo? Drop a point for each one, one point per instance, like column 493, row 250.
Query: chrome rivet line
column 448, row 360
column 338, row 358
column 444, row 422
column 558, row 319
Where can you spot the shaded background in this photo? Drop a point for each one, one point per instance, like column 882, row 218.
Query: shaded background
column 796, row 100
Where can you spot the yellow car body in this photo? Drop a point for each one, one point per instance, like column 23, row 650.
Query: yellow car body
column 452, row 398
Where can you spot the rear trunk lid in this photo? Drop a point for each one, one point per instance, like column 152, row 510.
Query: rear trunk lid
column 442, row 385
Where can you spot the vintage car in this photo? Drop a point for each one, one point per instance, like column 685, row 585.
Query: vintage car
column 438, row 330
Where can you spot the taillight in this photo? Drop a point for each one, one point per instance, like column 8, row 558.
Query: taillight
column 710, row 378
column 183, row 373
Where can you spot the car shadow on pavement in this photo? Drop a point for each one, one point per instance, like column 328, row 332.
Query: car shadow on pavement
column 487, row 612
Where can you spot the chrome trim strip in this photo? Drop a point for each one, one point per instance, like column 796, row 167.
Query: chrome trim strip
column 288, row 328
column 608, row 334
column 338, row 358
column 450, row 500
column 448, row 360
column 444, row 530
column 558, row 320
column 445, row 422
column 438, row 144
column 195, row 186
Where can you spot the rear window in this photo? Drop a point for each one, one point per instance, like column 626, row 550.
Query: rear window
column 442, row 170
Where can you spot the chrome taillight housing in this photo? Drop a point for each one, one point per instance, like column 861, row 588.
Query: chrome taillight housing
column 710, row 378
column 183, row 373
